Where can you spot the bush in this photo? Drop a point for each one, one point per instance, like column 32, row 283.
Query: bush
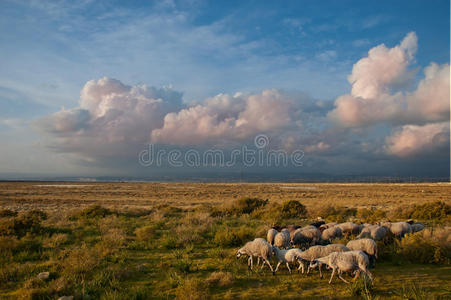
column 334, row 213
column 245, row 205
column 7, row 213
column 221, row 279
column 184, row 265
column 371, row 215
column 90, row 212
column 56, row 240
column 146, row 233
column 231, row 237
column 427, row 246
column 428, row 211
column 168, row 241
column 29, row 222
column 293, row 209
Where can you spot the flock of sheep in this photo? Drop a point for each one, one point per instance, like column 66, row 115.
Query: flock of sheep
column 292, row 245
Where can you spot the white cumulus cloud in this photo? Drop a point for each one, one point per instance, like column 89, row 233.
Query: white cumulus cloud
column 373, row 77
column 412, row 140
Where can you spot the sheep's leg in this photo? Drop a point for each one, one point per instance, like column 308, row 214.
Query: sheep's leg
column 252, row 262
column 272, row 270
column 301, row 265
column 277, row 267
column 320, row 273
column 339, row 276
column 332, row 276
column 258, row 261
column 288, row 266
column 369, row 275
column 357, row 274
column 263, row 264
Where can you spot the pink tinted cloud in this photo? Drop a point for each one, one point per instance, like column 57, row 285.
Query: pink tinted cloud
column 412, row 140
column 228, row 118
column 372, row 79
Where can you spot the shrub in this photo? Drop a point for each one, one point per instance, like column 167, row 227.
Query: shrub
column 146, row 233
column 334, row 213
column 8, row 245
column 230, row 237
column 169, row 210
column 293, row 209
column 270, row 213
column 29, row 222
column 93, row 211
column 428, row 211
column 80, row 262
column 370, row 215
column 220, row 279
column 7, row 213
column 168, row 241
column 56, row 240
column 184, row 265
column 426, row 246
column 246, row 205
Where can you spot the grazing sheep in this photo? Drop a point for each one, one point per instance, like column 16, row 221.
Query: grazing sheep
column 345, row 262
column 292, row 229
column 309, row 235
column 317, row 252
column 258, row 248
column 349, row 228
column 286, row 256
column 417, row 227
column 270, row 236
column 374, row 232
column 282, row 239
column 368, row 246
column 331, row 233
column 328, row 225
column 398, row 229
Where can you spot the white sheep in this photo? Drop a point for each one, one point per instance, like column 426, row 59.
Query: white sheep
column 341, row 262
column 309, row 235
column 398, row 229
column 349, row 228
column 328, row 225
column 368, row 246
column 270, row 236
column 374, row 232
column 282, row 239
column 331, row 233
column 314, row 252
column 286, row 256
column 258, row 248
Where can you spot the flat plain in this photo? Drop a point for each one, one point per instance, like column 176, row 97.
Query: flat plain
column 130, row 240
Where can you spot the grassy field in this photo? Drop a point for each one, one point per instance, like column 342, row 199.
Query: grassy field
column 178, row 240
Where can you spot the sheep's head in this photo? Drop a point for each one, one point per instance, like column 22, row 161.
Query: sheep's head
column 239, row 253
column 302, row 260
column 314, row 263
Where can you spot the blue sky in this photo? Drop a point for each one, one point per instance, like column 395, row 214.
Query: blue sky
column 51, row 49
